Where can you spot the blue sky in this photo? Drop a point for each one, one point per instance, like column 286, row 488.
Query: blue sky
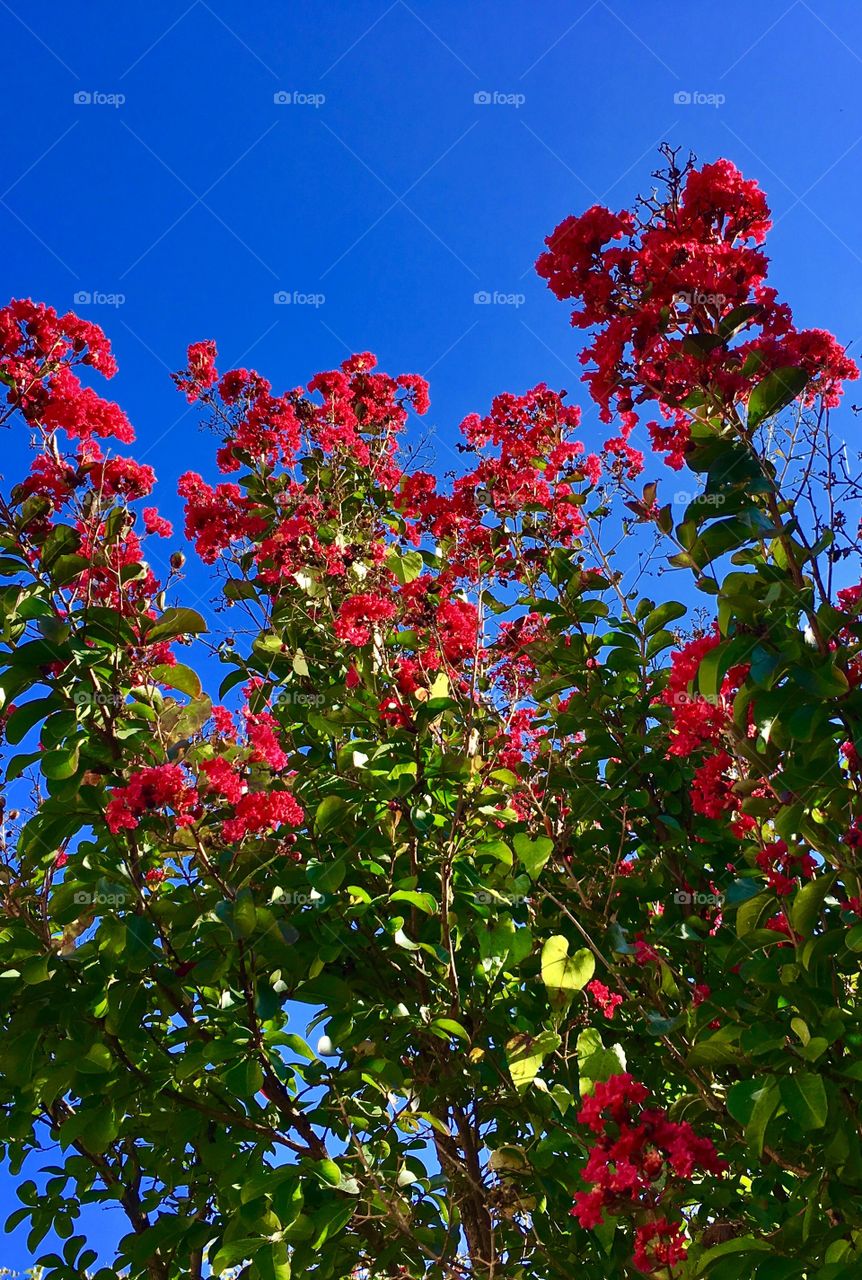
column 380, row 195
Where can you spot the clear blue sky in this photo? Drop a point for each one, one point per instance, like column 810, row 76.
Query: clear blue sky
column 397, row 196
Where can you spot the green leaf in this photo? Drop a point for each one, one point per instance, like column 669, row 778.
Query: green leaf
column 175, row 622
column 328, row 1172
column 330, row 1219
column 750, row 912
column 62, row 540
column 67, row 567
column 423, row 901
column 724, row 536
column 765, row 1105
column 178, row 677
column 595, row 1062
column 271, row 1263
column 808, row 904
column 23, row 718
column 737, row 318
column 742, row 1244
column 804, row 1096
column 244, row 914
column 35, row 970
column 58, row 765
column 330, row 815
column 239, row 589
column 563, row 974
column 525, row 1055
column 533, row 852
column 406, row 566
column 773, row 393
column 327, row 877
column 451, row 1028
column 234, row 1252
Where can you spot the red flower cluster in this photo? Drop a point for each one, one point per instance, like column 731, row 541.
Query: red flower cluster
column 261, row 811
column 536, row 468
column 223, row 779
column 39, row 353
column 216, row 517
column 357, row 615
column 162, row 786
column 262, row 733
column 638, row 1155
column 712, row 786
column 701, row 722
column 683, row 314
column 122, row 477
column 658, row 1244
column 784, row 868
column 156, row 524
column 607, row 1000
column 200, row 373
column 38, row 350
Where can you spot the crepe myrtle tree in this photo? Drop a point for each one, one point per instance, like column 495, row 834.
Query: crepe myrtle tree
column 488, row 918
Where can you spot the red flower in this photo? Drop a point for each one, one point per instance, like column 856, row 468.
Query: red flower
column 357, row 615
column 223, row 779
column 711, row 791
column 201, row 371
column 160, row 787
column 652, row 292
column 262, row 730
column 608, row 1001
column 658, row 1244
column 154, row 523
column 223, row 721
column 261, row 811
column 217, row 517
column 122, row 477
column 635, row 1161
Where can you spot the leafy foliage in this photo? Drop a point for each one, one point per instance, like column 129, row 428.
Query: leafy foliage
column 491, row 918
